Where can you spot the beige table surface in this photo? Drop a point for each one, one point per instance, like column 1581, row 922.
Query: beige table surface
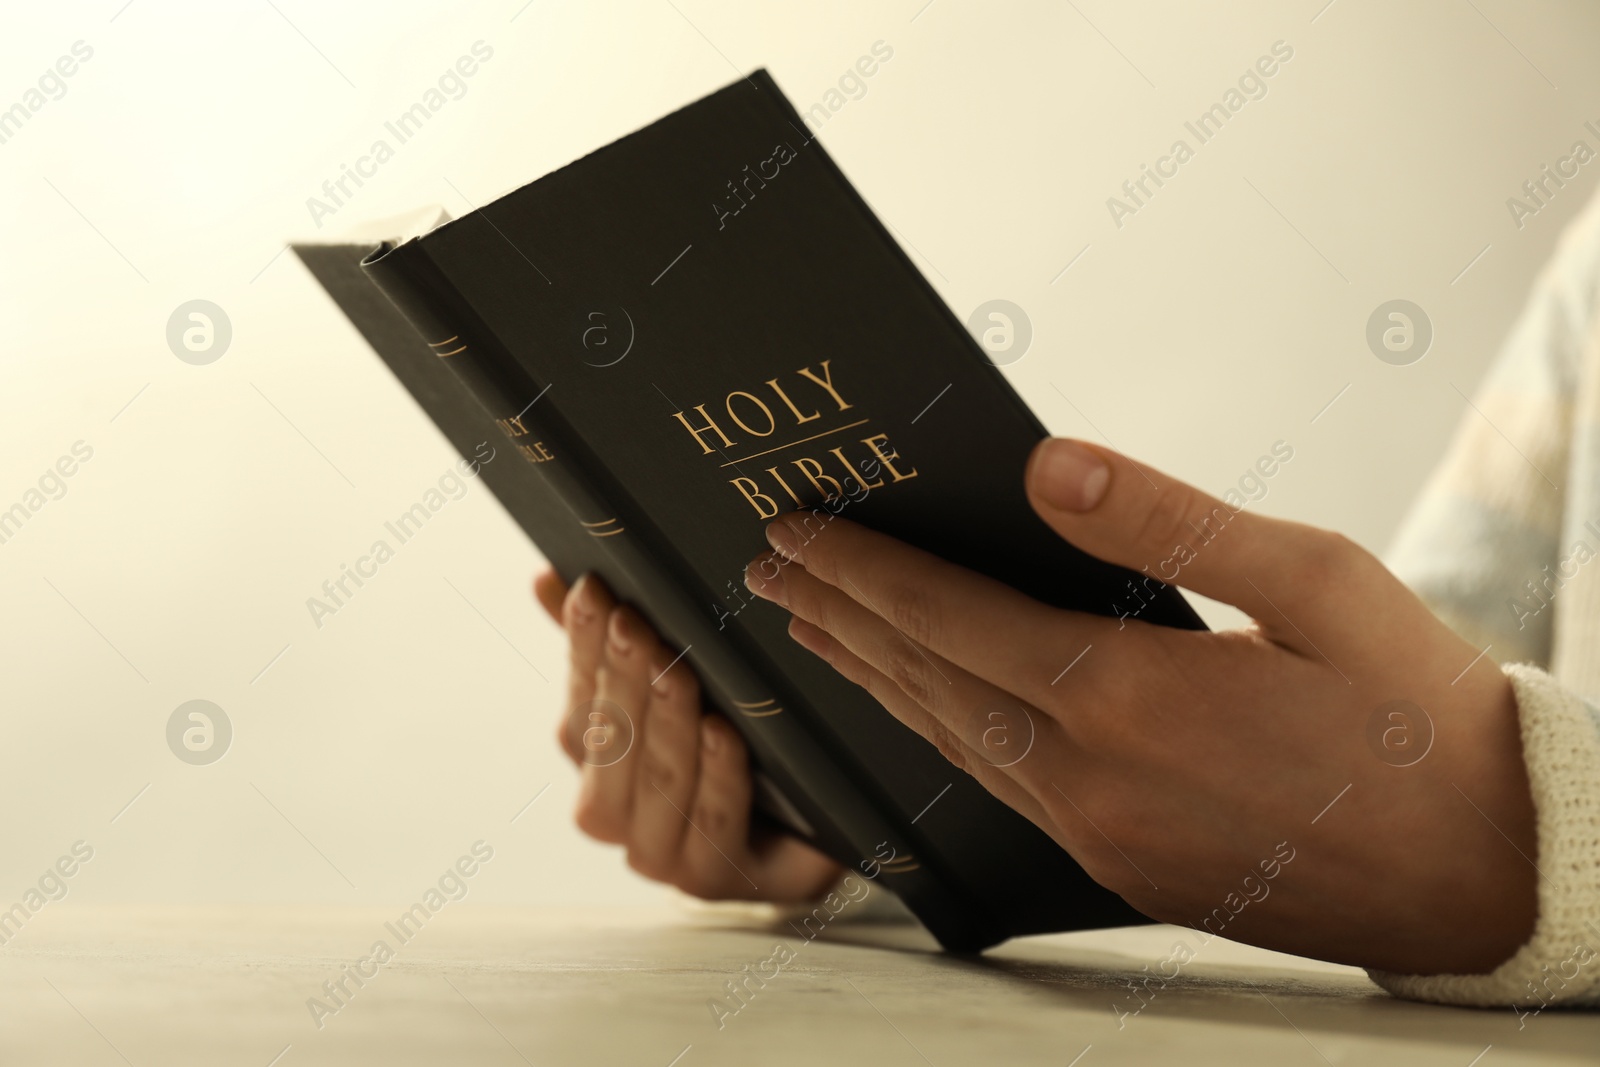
column 144, row 986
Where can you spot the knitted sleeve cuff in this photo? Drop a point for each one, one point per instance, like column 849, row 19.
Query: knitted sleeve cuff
column 1560, row 964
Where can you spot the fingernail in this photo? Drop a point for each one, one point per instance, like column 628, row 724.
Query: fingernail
column 712, row 737
column 1068, row 476
column 618, row 632
column 583, row 606
column 782, row 539
column 764, row 587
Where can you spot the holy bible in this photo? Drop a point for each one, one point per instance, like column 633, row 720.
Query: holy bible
column 681, row 336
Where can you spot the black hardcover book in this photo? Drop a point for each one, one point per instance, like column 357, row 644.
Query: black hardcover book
column 687, row 332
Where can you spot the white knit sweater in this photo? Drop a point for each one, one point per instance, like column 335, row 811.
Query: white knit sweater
column 1502, row 544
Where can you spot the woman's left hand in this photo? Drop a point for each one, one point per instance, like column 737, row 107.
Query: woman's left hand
column 1255, row 783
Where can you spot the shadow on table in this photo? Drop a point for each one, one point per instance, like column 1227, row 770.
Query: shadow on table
column 1097, row 980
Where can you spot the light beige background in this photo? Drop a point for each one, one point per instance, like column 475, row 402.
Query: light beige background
column 1220, row 319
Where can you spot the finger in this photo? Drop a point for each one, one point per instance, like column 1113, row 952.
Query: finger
column 794, row 869
column 1279, row 572
column 1029, row 785
column 947, row 693
column 669, row 755
column 621, row 700
column 717, row 862
column 550, row 591
column 781, row 866
column 583, row 614
column 1004, row 757
column 953, row 612
column 981, row 728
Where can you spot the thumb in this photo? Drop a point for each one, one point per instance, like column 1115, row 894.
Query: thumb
column 1122, row 512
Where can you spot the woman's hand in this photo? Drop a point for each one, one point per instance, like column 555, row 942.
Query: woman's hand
column 661, row 778
column 1181, row 768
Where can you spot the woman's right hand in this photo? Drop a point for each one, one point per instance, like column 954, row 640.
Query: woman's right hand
column 665, row 780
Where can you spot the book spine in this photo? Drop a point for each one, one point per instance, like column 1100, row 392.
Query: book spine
column 853, row 829
column 416, row 287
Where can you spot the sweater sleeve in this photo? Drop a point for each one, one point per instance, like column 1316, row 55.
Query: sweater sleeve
column 1488, row 522
column 1483, row 547
column 1560, row 964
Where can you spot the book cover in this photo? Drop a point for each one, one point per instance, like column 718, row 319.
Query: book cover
column 689, row 331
